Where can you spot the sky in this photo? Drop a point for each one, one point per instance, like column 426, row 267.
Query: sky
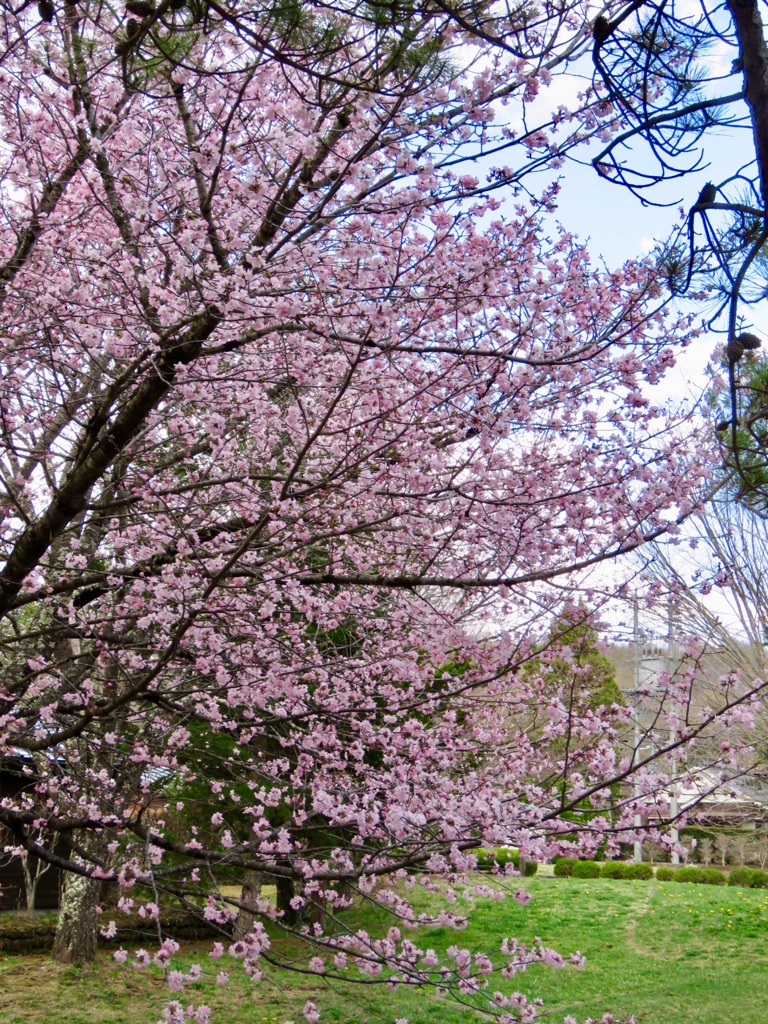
column 618, row 227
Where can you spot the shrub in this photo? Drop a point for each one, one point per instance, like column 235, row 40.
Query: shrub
column 502, row 856
column 741, row 877
column 689, row 875
column 564, row 867
column 711, row 876
column 614, row 869
column 585, row 869
column 487, row 858
column 748, row 878
column 641, row 871
column 701, row 876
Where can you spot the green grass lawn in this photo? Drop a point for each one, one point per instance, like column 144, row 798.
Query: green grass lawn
column 670, row 954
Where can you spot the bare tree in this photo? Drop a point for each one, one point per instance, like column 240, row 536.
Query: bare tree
column 718, row 588
column 758, row 847
column 32, row 867
column 706, row 850
column 723, row 846
column 741, row 843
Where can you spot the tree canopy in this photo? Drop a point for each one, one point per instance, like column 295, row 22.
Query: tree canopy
column 680, row 79
column 289, row 404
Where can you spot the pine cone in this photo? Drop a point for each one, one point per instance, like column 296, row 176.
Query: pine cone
column 707, row 195
column 749, row 341
column 140, row 8
column 735, row 350
column 601, row 29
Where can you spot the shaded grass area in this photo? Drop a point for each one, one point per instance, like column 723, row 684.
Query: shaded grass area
column 670, row 954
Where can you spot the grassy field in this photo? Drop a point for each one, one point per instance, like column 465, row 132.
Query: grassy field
column 670, row 954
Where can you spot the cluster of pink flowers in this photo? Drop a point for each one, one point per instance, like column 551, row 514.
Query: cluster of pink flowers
column 299, row 423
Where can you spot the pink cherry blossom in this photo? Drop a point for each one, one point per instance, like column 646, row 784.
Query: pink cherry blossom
column 308, row 423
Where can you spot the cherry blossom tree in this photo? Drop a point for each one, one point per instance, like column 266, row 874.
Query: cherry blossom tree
column 299, row 424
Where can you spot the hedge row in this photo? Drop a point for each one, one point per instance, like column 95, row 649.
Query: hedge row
column 747, row 878
column 620, row 869
column 565, row 868
column 701, row 876
column 502, row 856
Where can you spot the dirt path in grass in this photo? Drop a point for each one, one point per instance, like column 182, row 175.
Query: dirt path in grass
column 640, row 910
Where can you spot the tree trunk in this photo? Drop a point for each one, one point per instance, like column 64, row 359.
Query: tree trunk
column 32, row 879
column 30, row 884
column 249, row 895
column 285, row 893
column 754, row 56
column 344, row 888
column 31, row 890
column 75, row 940
column 318, row 912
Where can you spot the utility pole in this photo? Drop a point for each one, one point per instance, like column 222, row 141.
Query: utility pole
column 638, row 846
column 674, row 834
column 648, row 664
